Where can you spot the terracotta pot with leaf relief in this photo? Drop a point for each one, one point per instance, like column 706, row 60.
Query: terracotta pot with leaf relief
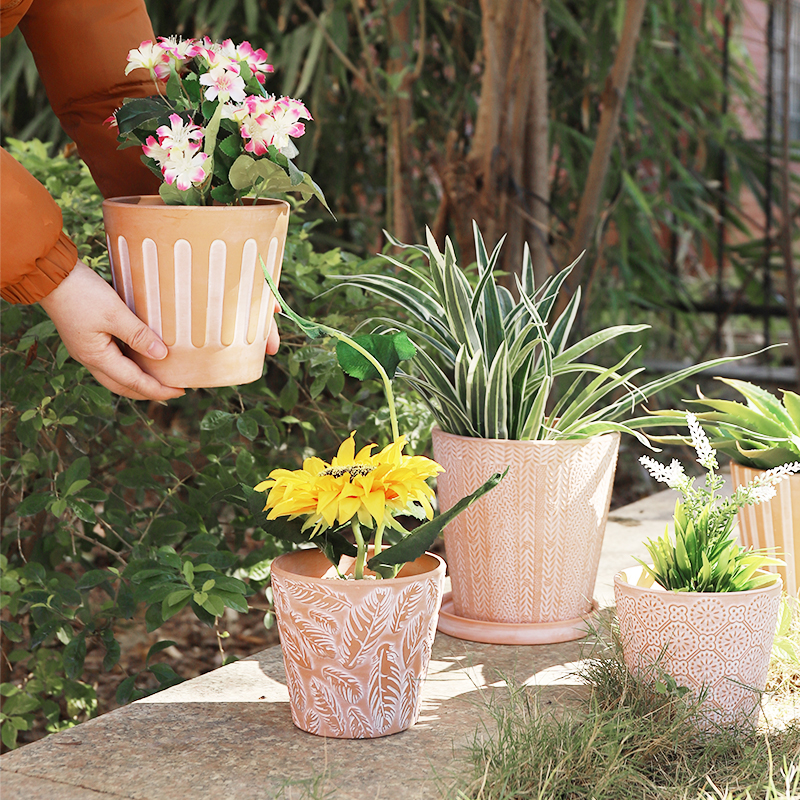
column 355, row 651
column 193, row 274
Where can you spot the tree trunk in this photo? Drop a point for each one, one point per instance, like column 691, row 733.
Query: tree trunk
column 613, row 95
column 506, row 168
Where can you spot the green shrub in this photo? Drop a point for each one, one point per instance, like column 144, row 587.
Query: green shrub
column 115, row 509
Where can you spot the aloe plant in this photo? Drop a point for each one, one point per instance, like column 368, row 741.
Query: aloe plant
column 761, row 433
column 487, row 364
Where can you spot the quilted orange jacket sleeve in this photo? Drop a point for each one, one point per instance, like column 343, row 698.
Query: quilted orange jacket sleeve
column 80, row 49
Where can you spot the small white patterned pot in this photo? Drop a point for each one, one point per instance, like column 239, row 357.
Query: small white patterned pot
column 713, row 642
column 193, row 274
column 355, row 651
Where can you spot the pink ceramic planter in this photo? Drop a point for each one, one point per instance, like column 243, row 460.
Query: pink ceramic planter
column 193, row 274
column 719, row 643
column 774, row 525
column 355, row 652
column 523, row 559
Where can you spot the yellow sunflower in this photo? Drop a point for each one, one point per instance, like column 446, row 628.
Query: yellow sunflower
column 354, row 485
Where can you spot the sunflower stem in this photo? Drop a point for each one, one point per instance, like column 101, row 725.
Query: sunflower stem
column 361, row 555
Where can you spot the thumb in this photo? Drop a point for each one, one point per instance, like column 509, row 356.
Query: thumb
column 131, row 330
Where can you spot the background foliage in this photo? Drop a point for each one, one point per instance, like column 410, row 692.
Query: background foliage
column 111, row 509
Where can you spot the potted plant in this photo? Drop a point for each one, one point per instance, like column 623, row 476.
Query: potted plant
column 356, row 620
column 704, row 612
column 186, row 261
column 757, row 435
column 523, row 561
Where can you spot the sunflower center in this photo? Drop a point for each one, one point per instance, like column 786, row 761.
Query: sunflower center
column 355, row 470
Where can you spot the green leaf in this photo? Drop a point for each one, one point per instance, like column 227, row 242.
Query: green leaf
column 125, row 690
column 33, row 504
column 74, row 656
column 248, row 427
column 157, row 648
column 112, row 649
column 419, row 540
column 139, row 112
column 92, row 578
column 216, row 419
column 388, row 349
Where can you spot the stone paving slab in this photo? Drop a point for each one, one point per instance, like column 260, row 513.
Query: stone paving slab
column 228, row 733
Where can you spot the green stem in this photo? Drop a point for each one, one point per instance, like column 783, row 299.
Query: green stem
column 314, row 328
column 361, row 555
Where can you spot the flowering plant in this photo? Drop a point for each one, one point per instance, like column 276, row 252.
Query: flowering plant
column 359, row 491
column 704, row 556
column 212, row 132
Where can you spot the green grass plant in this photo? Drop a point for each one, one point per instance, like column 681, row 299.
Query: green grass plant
column 624, row 740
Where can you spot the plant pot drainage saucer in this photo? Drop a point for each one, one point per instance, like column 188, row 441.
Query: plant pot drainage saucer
column 479, row 630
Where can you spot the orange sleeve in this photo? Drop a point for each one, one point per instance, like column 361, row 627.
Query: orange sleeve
column 35, row 254
column 80, row 48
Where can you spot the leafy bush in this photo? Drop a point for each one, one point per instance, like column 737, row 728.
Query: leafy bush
column 114, row 509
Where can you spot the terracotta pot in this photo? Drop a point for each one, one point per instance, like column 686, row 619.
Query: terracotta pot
column 193, row 274
column 717, row 643
column 355, row 652
column 774, row 525
column 526, row 554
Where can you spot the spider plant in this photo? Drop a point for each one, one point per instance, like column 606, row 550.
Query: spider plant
column 487, row 363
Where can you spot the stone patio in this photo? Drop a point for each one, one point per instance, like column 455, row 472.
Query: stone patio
column 228, row 733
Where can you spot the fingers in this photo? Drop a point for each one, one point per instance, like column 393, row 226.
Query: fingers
column 273, row 338
column 124, row 377
column 127, row 327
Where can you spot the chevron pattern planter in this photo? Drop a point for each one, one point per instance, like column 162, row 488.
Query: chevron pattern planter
column 773, row 525
column 355, row 651
column 193, row 274
column 527, row 553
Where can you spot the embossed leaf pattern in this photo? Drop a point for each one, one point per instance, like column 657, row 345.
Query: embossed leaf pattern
column 364, row 626
column 343, row 683
column 406, row 606
column 327, row 706
column 385, row 688
column 356, row 672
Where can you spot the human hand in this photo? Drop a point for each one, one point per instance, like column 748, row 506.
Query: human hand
column 88, row 314
column 273, row 338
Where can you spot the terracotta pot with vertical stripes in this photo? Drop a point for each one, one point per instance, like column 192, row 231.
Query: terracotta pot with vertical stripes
column 773, row 525
column 193, row 274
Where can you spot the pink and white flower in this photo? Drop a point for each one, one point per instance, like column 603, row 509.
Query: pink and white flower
column 255, row 59
column 179, row 134
column 153, row 149
column 224, row 82
column 179, row 49
column 185, row 168
column 271, row 121
column 151, row 57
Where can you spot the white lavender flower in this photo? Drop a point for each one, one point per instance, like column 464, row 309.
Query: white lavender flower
column 706, row 455
column 673, row 475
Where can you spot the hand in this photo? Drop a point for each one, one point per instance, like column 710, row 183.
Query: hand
column 88, row 314
column 273, row 338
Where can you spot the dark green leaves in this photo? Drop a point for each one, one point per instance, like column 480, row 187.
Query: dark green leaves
column 388, row 349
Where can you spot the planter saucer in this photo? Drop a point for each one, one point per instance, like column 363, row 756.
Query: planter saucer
column 479, row 630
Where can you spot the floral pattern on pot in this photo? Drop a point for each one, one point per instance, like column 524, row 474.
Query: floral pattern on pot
column 355, row 652
column 719, row 643
column 774, row 524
